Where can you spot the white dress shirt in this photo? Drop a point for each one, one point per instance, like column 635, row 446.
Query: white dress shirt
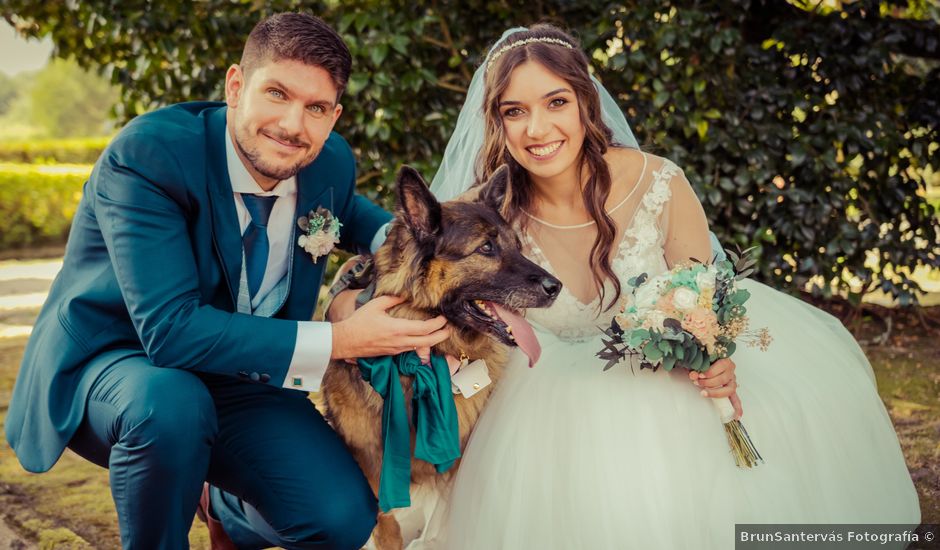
column 314, row 339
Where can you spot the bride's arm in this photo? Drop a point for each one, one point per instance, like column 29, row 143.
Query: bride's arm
column 685, row 225
column 686, row 230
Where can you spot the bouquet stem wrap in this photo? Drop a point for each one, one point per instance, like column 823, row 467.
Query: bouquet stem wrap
column 742, row 448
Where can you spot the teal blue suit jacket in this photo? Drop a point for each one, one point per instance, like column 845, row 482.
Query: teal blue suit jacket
column 153, row 264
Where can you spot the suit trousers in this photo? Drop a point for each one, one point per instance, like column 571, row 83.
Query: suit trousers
column 162, row 432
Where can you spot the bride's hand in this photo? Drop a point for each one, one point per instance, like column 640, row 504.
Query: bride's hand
column 719, row 381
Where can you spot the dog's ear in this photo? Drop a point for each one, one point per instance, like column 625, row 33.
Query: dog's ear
column 418, row 208
column 493, row 192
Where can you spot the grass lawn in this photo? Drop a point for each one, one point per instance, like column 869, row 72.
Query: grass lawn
column 908, row 371
column 70, row 506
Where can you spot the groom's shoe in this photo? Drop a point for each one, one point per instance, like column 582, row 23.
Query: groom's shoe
column 218, row 540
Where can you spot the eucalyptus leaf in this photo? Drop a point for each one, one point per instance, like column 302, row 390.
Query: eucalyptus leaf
column 673, row 324
column 652, row 353
column 730, row 349
column 669, row 362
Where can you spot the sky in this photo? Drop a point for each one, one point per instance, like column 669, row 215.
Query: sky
column 18, row 54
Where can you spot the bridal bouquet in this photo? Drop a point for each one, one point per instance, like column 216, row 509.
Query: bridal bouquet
column 689, row 317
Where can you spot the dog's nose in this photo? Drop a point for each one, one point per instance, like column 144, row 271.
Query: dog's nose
column 551, row 286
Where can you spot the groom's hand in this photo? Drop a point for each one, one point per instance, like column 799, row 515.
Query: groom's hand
column 371, row 332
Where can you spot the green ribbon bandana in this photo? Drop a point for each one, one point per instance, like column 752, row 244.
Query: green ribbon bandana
column 437, row 438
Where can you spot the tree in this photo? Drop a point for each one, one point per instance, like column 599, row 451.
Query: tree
column 806, row 127
column 8, row 93
column 68, row 101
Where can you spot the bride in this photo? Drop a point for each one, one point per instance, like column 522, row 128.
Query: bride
column 567, row 455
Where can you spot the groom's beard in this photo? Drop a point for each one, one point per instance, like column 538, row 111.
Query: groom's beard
column 270, row 169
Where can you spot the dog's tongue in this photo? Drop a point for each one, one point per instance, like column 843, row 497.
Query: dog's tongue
column 521, row 330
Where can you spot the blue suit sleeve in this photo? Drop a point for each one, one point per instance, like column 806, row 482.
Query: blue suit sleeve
column 361, row 217
column 365, row 218
column 142, row 210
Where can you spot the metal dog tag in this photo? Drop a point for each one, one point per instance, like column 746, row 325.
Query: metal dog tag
column 470, row 378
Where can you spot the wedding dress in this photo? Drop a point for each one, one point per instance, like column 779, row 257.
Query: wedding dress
column 568, row 456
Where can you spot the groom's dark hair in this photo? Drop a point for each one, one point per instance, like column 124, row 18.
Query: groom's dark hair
column 298, row 37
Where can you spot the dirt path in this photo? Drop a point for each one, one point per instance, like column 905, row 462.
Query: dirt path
column 23, row 287
column 9, row 540
column 70, row 506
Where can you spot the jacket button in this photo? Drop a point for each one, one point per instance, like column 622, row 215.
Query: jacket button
column 254, row 377
column 242, row 374
column 265, row 377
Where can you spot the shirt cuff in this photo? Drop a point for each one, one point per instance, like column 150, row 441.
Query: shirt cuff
column 379, row 238
column 311, row 356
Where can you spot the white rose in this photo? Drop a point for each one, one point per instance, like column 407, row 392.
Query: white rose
column 318, row 244
column 654, row 319
column 684, row 298
column 646, row 296
column 705, row 281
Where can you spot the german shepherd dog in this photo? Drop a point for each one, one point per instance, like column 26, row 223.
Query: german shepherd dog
column 457, row 259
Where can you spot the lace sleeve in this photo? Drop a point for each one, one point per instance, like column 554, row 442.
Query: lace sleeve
column 684, row 224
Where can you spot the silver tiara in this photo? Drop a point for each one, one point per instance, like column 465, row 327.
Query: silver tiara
column 508, row 47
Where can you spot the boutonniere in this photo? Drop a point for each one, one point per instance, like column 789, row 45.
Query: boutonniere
column 320, row 232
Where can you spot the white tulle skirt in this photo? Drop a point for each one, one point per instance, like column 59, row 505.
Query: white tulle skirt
column 568, row 456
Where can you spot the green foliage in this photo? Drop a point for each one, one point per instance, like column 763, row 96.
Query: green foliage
column 156, row 53
column 14, row 122
column 805, row 130
column 8, row 93
column 37, row 202
column 68, row 101
column 73, row 150
column 60, row 100
column 804, row 134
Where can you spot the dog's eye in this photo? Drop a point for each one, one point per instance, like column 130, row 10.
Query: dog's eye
column 486, row 248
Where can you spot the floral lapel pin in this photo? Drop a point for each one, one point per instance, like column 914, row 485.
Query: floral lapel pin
column 320, row 232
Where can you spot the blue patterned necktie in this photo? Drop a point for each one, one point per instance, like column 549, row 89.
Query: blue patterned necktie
column 255, row 239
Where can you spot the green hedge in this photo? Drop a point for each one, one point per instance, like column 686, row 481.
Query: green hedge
column 74, row 150
column 807, row 128
column 37, row 202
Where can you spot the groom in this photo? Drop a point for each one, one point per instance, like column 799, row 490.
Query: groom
column 174, row 346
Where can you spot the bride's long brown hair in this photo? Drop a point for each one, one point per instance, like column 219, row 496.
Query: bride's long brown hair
column 571, row 65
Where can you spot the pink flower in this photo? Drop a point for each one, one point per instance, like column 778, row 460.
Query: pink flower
column 625, row 322
column 702, row 324
column 666, row 305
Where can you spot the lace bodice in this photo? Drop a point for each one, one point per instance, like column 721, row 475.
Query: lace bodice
column 641, row 233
